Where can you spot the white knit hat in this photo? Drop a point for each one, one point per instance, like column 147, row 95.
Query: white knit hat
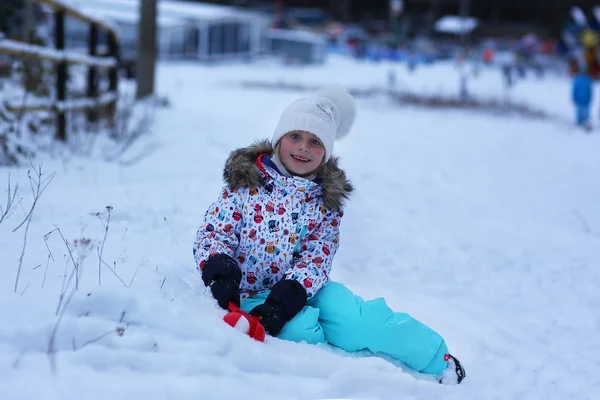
column 328, row 114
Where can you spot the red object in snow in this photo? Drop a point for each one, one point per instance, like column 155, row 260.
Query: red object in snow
column 244, row 322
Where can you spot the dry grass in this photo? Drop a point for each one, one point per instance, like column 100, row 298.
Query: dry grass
column 440, row 102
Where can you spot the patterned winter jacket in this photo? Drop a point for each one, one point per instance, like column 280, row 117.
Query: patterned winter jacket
column 276, row 227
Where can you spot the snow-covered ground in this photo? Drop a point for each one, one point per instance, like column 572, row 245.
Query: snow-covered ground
column 493, row 240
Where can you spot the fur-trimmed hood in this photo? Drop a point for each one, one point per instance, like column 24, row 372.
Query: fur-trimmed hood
column 241, row 171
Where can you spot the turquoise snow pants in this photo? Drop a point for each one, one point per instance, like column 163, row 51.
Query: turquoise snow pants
column 337, row 316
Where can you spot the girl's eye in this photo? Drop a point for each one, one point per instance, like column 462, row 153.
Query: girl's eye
column 295, row 136
column 316, row 142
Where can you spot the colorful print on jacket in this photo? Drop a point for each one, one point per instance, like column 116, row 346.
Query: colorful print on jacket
column 276, row 227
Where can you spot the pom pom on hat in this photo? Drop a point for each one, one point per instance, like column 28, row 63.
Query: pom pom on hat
column 327, row 113
column 345, row 104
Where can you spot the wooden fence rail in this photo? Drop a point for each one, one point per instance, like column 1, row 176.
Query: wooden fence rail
column 36, row 52
column 63, row 58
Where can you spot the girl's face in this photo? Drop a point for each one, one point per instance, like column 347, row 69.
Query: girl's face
column 301, row 152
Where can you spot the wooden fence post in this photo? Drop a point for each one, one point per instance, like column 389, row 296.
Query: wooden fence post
column 113, row 75
column 92, row 87
column 146, row 49
column 61, row 75
column 94, row 103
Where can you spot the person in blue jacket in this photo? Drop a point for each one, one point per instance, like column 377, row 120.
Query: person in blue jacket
column 582, row 93
column 267, row 244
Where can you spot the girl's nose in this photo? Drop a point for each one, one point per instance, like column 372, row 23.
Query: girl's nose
column 303, row 147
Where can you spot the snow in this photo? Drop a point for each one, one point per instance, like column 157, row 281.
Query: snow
column 67, row 5
column 77, row 104
column 205, row 11
column 490, row 236
column 5, row 113
column 296, row 36
column 456, row 25
column 68, row 105
column 128, row 16
column 173, row 9
column 12, row 46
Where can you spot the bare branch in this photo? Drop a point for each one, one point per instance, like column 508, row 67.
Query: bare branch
column 74, row 272
column 24, row 289
column 101, row 220
column 17, row 361
column 101, row 249
column 38, row 185
column 76, row 267
column 584, row 223
column 51, row 352
column 46, row 271
column 11, row 195
column 46, row 236
column 105, row 334
column 173, row 238
column 31, row 182
column 113, row 271
column 119, row 330
column 63, row 289
column 22, row 255
column 142, row 263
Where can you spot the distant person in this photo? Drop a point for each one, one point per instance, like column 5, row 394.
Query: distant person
column 391, row 79
column 573, row 65
column 461, row 64
column 507, row 74
column 581, row 94
column 488, row 56
column 360, row 51
column 268, row 242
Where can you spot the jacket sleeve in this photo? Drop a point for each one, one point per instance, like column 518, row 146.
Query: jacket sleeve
column 589, row 88
column 311, row 266
column 221, row 227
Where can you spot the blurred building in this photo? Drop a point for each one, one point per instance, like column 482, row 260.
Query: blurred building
column 185, row 30
column 297, row 47
column 544, row 16
column 505, row 16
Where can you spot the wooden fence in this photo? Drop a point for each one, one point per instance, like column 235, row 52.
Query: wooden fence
column 92, row 103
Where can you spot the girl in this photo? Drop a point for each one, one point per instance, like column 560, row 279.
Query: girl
column 267, row 243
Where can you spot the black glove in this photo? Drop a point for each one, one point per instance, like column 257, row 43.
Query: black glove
column 223, row 275
column 286, row 299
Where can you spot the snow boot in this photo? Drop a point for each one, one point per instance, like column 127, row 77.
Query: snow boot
column 454, row 373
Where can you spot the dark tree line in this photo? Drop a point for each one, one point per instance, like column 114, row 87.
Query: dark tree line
column 12, row 14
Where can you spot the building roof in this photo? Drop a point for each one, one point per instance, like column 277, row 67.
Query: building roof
column 456, row 25
column 127, row 16
column 297, row 36
column 168, row 9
